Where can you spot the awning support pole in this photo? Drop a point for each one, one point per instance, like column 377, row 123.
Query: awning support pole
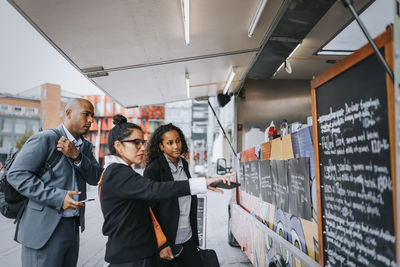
column 222, row 128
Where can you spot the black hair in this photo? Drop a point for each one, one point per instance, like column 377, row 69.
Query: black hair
column 153, row 149
column 122, row 128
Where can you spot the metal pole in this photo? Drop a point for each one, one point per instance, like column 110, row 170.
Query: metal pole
column 349, row 4
column 222, row 128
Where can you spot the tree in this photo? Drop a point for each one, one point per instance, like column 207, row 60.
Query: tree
column 21, row 141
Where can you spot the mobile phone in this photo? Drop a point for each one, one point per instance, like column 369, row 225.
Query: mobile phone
column 86, row 200
column 176, row 250
column 221, row 184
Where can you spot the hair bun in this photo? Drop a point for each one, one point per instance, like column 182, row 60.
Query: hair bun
column 119, row 119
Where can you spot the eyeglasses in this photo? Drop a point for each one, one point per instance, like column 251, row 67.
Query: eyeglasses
column 137, row 142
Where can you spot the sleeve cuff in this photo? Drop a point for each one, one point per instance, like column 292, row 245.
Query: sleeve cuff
column 197, row 186
column 60, row 201
column 78, row 165
column 166, row 244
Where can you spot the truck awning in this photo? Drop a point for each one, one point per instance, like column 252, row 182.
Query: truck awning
column 141, row 44
column 135, row 50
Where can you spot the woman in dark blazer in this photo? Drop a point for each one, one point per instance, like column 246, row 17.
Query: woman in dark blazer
column 125, row 196
column 177, row 216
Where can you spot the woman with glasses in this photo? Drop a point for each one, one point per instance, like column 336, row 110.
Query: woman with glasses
column 177, row 216
column 125, row 194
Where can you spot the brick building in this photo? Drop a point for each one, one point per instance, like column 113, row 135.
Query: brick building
column 39, row 107
column 149, row 118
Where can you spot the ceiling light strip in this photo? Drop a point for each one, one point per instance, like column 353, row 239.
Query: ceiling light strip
column 186, row 19
column 283, row 63
column 294, row 51
column 280, row 67
column 187, row 85
column 256, row 18
column 230, row 79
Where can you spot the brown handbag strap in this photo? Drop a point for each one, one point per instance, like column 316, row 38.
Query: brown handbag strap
column 100, row 181
column 153, row 218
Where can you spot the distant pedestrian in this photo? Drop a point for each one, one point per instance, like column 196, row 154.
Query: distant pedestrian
column 49, row 227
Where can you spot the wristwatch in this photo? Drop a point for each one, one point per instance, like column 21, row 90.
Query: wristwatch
column 78, row 158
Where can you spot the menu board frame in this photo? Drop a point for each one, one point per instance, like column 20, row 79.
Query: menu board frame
column 385, row 41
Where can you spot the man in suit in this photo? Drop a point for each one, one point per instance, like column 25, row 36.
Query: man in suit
column 49, row 227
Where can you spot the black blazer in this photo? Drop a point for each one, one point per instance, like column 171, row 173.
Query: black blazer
column 124, row 200
column 167, row 211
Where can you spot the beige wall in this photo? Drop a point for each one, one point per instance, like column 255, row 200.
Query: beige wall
column 50, row 105
column 19, row 102
column 272, row 100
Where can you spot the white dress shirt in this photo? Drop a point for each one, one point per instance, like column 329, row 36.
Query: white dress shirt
column 77, row 143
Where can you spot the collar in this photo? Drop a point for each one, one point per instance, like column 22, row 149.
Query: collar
column 172, row 166
column 110, row 159
column 71, row 138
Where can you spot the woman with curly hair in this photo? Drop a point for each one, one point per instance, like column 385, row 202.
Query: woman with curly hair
column 177, row 216
column 125, row 196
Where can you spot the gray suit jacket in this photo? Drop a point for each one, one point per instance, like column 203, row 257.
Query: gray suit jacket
column 46, row 195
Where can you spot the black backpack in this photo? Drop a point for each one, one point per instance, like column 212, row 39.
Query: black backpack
column 12, row 203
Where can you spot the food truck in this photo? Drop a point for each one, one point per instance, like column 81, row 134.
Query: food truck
column 323, row 193
column 331, row 182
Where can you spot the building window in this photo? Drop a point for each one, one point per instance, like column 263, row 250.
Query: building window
column 33, row 125
column 100, row 109
column 6, row 141
column 18, row 109
column 109, row 107
column 117, row 109
column 200, row 114
column 7, row 125
column 32, row 111
column 20, row 126
column 4, row 107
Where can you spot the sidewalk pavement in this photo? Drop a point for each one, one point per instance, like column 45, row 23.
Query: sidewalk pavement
column 92, row 241
column 217, row 231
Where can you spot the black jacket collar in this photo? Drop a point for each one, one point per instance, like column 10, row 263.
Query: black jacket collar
column 164, row 165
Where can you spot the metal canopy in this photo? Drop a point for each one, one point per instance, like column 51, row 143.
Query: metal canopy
column 305, row 62
column 141, row 47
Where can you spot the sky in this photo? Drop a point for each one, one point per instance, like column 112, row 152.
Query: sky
column 27, row 60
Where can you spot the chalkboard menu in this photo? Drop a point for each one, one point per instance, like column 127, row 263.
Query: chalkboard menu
column 240, row 175
column 351, row 111
column 254, row 181
column 246, row 176
column 299, row 187
column 280, row 184
column 266, row 182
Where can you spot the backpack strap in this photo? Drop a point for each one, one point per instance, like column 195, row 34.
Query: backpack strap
column 53, row 160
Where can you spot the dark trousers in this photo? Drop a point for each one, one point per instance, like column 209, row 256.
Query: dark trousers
column 189, row 257
column 61, row 250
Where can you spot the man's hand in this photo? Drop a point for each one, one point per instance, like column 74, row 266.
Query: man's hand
column 67, row 148
column 166, row 254
column 70, row 203
column 224, row 179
